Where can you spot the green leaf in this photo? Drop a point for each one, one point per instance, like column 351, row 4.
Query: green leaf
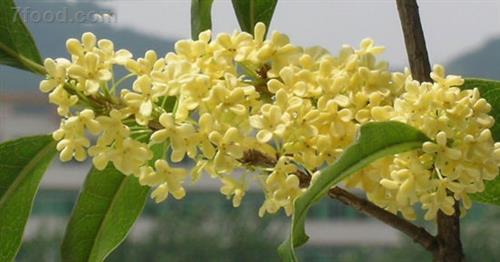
column 250, row 12
column 106, row 210
column 17, row 47
column 375, row 141
column 201, row 16
column 22, row 165
column 489, row 90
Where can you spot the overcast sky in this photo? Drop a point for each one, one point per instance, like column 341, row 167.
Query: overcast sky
column 450, row 27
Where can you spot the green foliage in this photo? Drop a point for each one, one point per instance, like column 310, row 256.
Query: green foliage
column 17, row 47
column 490, row 90
column 375, row 140
column 203, row 233
column 22, row 165
column 105, row 211
column 251, row 12
column 201, row 16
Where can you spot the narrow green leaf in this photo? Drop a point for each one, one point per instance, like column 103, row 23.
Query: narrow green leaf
column 489, row 90
column 106, row 210
column 201, row 16
column 22, row 165
column 17, row 47
column 375, row 140
column 250, row 12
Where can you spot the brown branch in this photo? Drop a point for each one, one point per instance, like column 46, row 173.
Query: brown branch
column 414, row 40
column 448, row 237
column 418, row 234
column 254, row 157
column 155, row 125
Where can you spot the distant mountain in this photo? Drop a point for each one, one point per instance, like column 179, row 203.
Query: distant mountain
column 51, row 38
column 481, row 62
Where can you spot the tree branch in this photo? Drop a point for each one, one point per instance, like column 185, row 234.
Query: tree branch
column 448, row 237
column 418, row 234
column 414, row 40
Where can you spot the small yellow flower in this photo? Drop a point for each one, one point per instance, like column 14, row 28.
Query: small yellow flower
column 271, row 122
column 232, row 187
column 166, row 179
column 56, row 71
column 229, row 148
column 145, row 96
column 90, row 72
column 144, row 66
column 182, row 137
column 63, row 100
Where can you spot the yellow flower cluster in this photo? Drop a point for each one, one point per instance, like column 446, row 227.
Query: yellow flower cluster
column 455, row 165
column 277, row 111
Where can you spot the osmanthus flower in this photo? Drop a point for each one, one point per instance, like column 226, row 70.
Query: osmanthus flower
column 437, row 200
column 192, row 50
column 56, row 79
column 229, row 148
column 90, row 72
column 229, row 98
column 277, row 51
column 441, row 149
column 271, row 122
column 174, row 74
column 113, row 132
column 64, row 101
column 294, row 80
column 194, row 91
column 78, row 49
column 112, row 127
column 273, row 110
column 129, row 155
column 232, row 46
column 56, row 74
column 71, row 135
column 332, row 118
column 302, row 123
column 446, row 81
column 281, row 188
column 286, row 101
column 90, row 66
column 203, row 165
column 180, row 137
column 206, row 124
column 461, row 156
column 368, row 47
column 145, row 94
column 108, row 54
column 233, row 188
column 144, row 66
column 166, row 180
column 287, row 193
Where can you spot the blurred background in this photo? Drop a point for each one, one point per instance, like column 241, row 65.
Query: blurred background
column 463, row 35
